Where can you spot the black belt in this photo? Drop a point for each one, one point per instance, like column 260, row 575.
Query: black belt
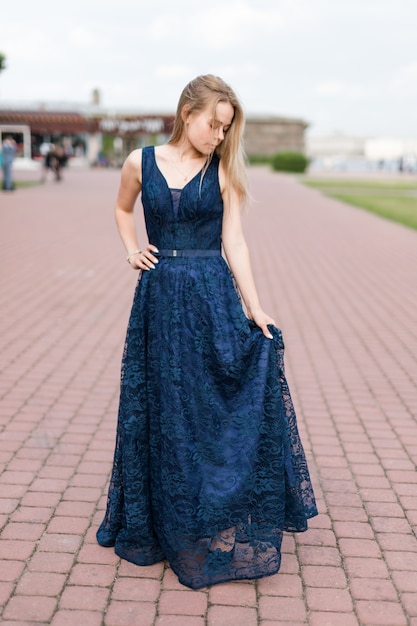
column 190, row 253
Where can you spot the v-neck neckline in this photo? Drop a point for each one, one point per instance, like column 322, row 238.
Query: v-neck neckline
column 165, row 180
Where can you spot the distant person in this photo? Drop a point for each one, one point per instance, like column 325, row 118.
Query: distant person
column 55, row 160
column 8, row 155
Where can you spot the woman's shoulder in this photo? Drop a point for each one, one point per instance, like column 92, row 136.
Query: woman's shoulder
column 136, row 156
column 133, row 164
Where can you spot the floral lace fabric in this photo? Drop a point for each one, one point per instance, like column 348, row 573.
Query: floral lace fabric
column 207, row 439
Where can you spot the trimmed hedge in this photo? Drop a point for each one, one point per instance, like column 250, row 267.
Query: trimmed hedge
column 289, row 162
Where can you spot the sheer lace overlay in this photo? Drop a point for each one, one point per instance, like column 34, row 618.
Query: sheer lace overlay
column 207, row 439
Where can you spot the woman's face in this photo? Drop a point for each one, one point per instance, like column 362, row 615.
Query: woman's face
column 206, row 129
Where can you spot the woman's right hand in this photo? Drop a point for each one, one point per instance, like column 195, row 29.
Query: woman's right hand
column 144, row 260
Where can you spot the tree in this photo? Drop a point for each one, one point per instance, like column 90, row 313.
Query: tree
column 2, row 62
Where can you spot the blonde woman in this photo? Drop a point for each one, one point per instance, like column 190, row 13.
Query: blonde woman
column 209, row 469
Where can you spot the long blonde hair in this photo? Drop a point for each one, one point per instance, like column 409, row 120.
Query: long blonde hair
column 197, row 95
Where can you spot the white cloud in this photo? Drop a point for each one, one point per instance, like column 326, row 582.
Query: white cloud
column 230, row 24
column 174, row 71
column 243, row 69
column 23, row 42
column 82, row 38
column 339, row 89
column 227, row 24
column 167, row 27
column 404, row 82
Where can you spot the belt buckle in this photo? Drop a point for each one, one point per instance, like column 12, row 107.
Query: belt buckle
column 174, row 253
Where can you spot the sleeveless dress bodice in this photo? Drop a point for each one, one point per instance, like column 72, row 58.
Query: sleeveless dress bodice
column 198, row 222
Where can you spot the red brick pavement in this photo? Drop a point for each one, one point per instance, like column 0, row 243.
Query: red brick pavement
column 342, row 285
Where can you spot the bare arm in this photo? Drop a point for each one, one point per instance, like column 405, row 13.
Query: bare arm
column 237, row 255
column 130, row 187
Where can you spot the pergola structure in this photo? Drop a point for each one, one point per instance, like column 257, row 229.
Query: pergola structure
column 10, row 129
column 264, row 135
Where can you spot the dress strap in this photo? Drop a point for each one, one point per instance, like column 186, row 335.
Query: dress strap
column 147, row 163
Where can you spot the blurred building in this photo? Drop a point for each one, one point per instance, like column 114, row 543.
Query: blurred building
column 267, row 135
column 105, row 137
column 98, row 137
column 337, row 151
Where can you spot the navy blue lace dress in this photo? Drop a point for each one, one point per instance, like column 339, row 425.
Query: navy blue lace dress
column 207, row 439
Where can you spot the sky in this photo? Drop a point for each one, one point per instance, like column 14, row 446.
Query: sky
column 348, row 67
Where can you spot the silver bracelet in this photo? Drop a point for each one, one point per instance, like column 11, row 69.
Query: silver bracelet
column 129, row 256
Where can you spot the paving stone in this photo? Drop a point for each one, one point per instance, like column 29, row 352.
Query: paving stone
column 225, row 616
column 11, row 570
column 291, row 609
column 92, row 574
column 51, row 562
column 14, row 549
column 366, row 568
column 75, row 509
column 170, row 581
column 130, row 614
column 56, row 471
column 40, row 499
column 322, row 576
column 57, row 542
column 84, row 598
column 136, row 589
column 318, row 618
column 286, row 585
column 233, row 594
column 179, row 620
column 6, row 590
column 359, row 548
column 318, row 555
column 30, row 609
column 17, row 478
column 404, row 581
column 381, row 613
column 354, row 530
column 391, row 525
column 93, row 553
column 373, row 589
column 397, row 542
column 317, row 537
column 149, row 571
column 328, row 599
column 69, row 618
column 409, row 603
column 401, row 560
column 32, row 514
column 348, row 514
column 68, row 525
column 182, row 603
column 22, row 530
column 84, row 494
column 41, row 583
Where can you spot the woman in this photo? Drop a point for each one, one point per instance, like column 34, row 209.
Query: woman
column 209, row 468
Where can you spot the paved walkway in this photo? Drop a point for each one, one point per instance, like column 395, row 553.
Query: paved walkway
column 341, row 283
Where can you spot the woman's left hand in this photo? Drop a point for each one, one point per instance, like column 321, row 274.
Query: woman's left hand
column 262, row 320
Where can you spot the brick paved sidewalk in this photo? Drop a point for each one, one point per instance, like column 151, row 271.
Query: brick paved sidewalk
column 342, row 285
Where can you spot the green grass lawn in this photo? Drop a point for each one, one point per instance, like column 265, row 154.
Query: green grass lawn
column 23, row 183
column 27, row 183
column 395, row 200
